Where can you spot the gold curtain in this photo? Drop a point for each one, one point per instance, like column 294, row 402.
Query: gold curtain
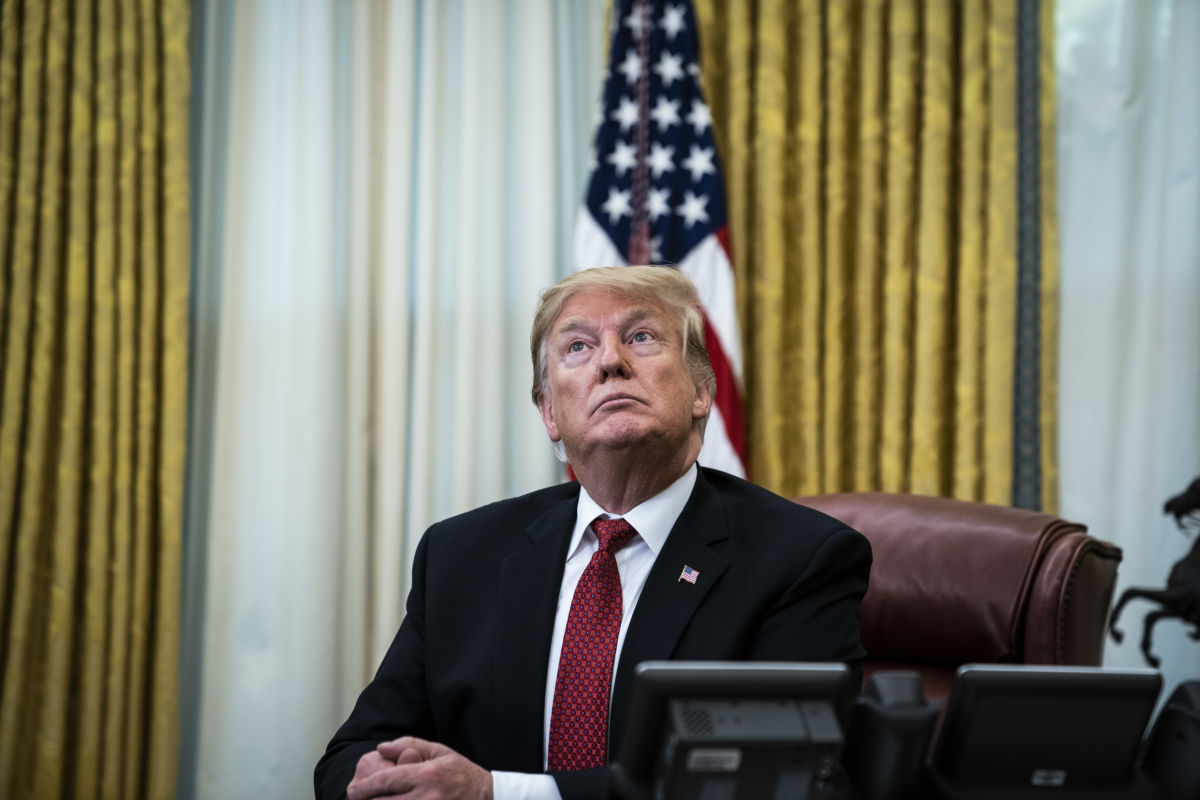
column 870, row 154
column 93, row 337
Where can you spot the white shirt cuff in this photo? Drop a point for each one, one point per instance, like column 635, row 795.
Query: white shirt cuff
column 523, row 786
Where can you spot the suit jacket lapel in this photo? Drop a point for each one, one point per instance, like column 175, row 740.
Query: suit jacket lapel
column 667, row 603
column 530, row 577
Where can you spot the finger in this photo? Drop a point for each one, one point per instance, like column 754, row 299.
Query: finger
column 409, row 756
column 393, row 780
column 371, row 762
column 396, row 746
column 424, row 749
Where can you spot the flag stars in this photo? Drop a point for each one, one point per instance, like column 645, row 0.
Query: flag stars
column 672, row 21
column 658, row 203
column 623, row 157
column 662, row 159
column 693, row 210
column 617, row 205
column 699, row 117
column 631, row 67
column 626, row 114
column 669, row 68
column 700, row 163
column 635, row 22
column 665, row 113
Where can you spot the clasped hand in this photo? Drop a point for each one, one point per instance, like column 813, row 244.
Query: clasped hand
column 416, row 769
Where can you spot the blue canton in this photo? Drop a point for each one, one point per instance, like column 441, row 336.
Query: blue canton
column 685, row 197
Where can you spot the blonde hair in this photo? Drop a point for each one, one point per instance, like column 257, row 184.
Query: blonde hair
column 666, row 286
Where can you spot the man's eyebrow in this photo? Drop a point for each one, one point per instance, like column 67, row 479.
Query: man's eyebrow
column 632, row 316
column 573, row 325
column 638, row 314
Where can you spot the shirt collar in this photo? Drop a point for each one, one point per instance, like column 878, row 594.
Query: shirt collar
column 652, row 519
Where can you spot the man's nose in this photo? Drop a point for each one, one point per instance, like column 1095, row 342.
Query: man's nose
column 614, row 358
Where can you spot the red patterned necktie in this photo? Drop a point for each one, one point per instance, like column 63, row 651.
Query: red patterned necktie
column 579, row 718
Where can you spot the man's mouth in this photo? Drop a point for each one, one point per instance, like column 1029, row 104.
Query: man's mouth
column 617, row 397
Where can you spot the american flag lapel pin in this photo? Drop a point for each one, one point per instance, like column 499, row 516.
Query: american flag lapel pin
column 688, row 574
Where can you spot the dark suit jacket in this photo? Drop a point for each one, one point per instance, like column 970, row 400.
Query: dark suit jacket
column 467, row 668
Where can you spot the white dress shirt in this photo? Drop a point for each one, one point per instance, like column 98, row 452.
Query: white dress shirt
column 653, row 520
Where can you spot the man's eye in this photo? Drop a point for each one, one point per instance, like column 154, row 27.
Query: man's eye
column 641, row 336
column 575, row 347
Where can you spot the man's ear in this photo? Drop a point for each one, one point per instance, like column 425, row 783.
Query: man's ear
column 702, row 402
column 546, row 409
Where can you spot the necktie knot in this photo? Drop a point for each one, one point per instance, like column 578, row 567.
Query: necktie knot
column 613, row 534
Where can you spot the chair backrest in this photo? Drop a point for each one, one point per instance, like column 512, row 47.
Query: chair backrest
column 956, row 582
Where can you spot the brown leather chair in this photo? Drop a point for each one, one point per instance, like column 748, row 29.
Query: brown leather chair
column 955, row 582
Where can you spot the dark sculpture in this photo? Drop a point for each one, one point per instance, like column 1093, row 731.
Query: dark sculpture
column 1181, row 597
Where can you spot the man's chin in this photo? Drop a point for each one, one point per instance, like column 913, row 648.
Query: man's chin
column 623, row 439
column 615, row 444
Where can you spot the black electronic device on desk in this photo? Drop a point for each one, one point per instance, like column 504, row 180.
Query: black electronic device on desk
column 1172, row 757
column 888, row 742
column 735, row 731
column 1053, row 733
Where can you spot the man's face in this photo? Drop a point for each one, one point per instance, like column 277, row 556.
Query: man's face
column 616, row 376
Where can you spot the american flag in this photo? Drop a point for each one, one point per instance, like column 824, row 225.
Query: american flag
column 655, row 194
column 688, row 574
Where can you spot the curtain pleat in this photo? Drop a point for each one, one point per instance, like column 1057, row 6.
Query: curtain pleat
column 999, row 268
column 802, row 141
column 171, row 435
column 838, row 183
column 932, row 312
column 970, row 298
column 93, row 236
column 871, row 160
column 866, row 292
column 1051, row 273
column 898, row 234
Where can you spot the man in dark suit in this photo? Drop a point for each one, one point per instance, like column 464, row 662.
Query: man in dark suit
column 520, row 610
